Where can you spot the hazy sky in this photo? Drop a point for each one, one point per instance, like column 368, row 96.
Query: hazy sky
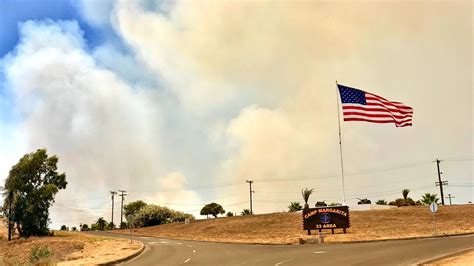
column 180, row 102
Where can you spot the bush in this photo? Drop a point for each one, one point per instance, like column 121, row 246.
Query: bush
column 400, row 202
column 39, row 252
column 230, row 214
column 153, row 215
column 321, row 204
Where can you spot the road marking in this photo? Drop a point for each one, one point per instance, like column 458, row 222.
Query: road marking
column 187, row 260
column 189, row 246
column 163, row 243
column 194, row 251
column 281, row 262
column 320, row 252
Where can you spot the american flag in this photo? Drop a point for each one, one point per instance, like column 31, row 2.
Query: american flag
column 358, row 105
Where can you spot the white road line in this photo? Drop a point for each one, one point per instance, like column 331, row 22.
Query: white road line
column 194, row 251
column 320, row 252
column 187, row 260
column 189, row 246
column 281, row 262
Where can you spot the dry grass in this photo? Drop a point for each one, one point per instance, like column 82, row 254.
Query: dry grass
column 66, row 246
column 286, row 228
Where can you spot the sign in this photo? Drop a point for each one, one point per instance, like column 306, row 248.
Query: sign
column 326, row 218
column 433, row 207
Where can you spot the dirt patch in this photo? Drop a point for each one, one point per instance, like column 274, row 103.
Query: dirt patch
column 77, row 248
column 286, row 228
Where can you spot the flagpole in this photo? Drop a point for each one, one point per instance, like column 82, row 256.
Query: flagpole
column 340, row 146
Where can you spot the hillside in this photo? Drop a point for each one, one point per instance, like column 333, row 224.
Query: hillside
column 286, row 228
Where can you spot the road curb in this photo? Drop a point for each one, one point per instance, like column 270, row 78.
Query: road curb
column 442, row 257
column 129, row 257
column 395, row 239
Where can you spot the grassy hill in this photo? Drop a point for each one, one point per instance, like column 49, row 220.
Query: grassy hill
column 286, row 228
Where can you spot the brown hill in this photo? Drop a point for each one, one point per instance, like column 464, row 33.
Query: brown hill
column 286, row 228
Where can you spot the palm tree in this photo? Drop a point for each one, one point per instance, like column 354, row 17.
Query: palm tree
column 428, row 198
column 405, row 193
column 101, row 223
column 294, row 207
column 306, row 193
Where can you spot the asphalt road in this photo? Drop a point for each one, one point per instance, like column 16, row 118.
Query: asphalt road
column 176, row 252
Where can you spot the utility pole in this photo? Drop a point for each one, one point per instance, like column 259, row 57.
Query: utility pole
column 440, row 183
column 251, row 191
column 122, row 194
column 450, row 197
column 113, row 194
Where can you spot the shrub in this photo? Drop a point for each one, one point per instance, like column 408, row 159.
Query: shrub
column 39, row 252
column 320, row 204
column 246, row 212
column 230, row 214
column 153, row 215
column 294, row 206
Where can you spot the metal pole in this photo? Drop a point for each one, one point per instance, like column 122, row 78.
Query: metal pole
column 340, row 146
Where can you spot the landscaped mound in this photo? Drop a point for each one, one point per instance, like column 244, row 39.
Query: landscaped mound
column 286, row 228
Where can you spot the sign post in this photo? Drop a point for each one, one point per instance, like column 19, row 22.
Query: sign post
column 326, row 218
column 434, row 209
column 130, row 220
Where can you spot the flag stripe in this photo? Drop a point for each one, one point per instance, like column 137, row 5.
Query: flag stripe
column 371, row 97
column 368, row 109
column 374, row 114
column 386, row 117
column 377, row 121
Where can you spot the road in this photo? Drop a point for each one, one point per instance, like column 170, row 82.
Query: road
column 160, row 251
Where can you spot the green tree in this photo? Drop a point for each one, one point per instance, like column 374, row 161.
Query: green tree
column 230, row 214
column 133, row 207
column 306, row 193
column 428, row 198
column 31, row 186
column 110, row 226
column 101, row 223
column 84, row 227
column 153, row 215
column 63, row 228
column 213, row 209
column 381, row 202
column 294, row 206
column 246, row 212
column 123, row 225
column 74, row 229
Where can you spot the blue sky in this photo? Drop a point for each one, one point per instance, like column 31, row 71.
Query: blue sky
column 159, row 97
